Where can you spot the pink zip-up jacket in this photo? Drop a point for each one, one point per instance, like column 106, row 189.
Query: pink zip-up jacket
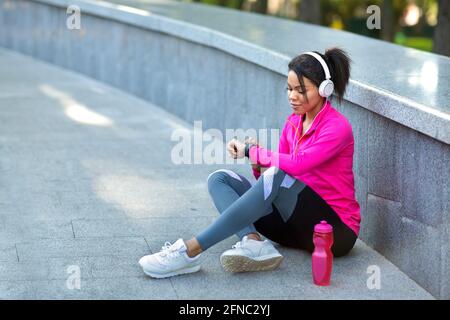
column 323, row 161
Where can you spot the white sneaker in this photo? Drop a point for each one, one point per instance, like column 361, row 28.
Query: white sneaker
column 172, row 260
column 251, row 255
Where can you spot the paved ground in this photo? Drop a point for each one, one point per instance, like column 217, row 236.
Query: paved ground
column 87, row 184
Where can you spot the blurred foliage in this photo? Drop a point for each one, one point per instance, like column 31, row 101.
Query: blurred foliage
column 351, row 15
column 421, row 43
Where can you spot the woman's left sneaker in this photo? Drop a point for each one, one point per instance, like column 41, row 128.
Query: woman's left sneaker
column 172, row 260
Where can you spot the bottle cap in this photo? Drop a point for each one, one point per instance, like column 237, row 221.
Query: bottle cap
column 323, row 227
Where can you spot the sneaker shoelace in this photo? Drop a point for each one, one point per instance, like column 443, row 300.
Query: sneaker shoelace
column 168, row 251
column 237, row 245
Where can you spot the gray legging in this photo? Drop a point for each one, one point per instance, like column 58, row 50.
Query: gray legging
column 240, row 204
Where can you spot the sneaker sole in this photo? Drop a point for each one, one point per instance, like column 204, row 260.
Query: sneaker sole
column 172, row 274
column 246, row 264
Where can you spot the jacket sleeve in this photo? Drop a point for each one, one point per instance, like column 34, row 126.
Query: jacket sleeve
column 331, row 141
column 283, row 145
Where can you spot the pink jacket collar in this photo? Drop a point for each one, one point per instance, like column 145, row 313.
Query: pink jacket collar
column 319, row 116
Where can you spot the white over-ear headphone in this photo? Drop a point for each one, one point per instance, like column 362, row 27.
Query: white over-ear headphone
column 326, row 88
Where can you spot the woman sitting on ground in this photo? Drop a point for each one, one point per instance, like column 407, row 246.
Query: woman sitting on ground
column 309, row 179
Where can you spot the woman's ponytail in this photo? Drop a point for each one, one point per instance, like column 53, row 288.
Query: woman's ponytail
column 339, row 63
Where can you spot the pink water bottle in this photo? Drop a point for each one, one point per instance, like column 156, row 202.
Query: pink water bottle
column 322, row 257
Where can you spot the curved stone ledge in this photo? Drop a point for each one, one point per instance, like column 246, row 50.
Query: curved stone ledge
column 428, row 113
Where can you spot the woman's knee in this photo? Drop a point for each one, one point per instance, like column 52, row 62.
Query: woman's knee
column 221, row 176
column 273, row 174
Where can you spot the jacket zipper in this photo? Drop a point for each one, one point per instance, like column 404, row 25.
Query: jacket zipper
column 298, row 142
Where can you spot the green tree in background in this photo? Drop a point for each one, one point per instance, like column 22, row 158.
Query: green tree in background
column 425, row 33
column 310, row 11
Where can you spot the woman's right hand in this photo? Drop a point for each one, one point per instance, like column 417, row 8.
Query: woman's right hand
column 236, row 148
